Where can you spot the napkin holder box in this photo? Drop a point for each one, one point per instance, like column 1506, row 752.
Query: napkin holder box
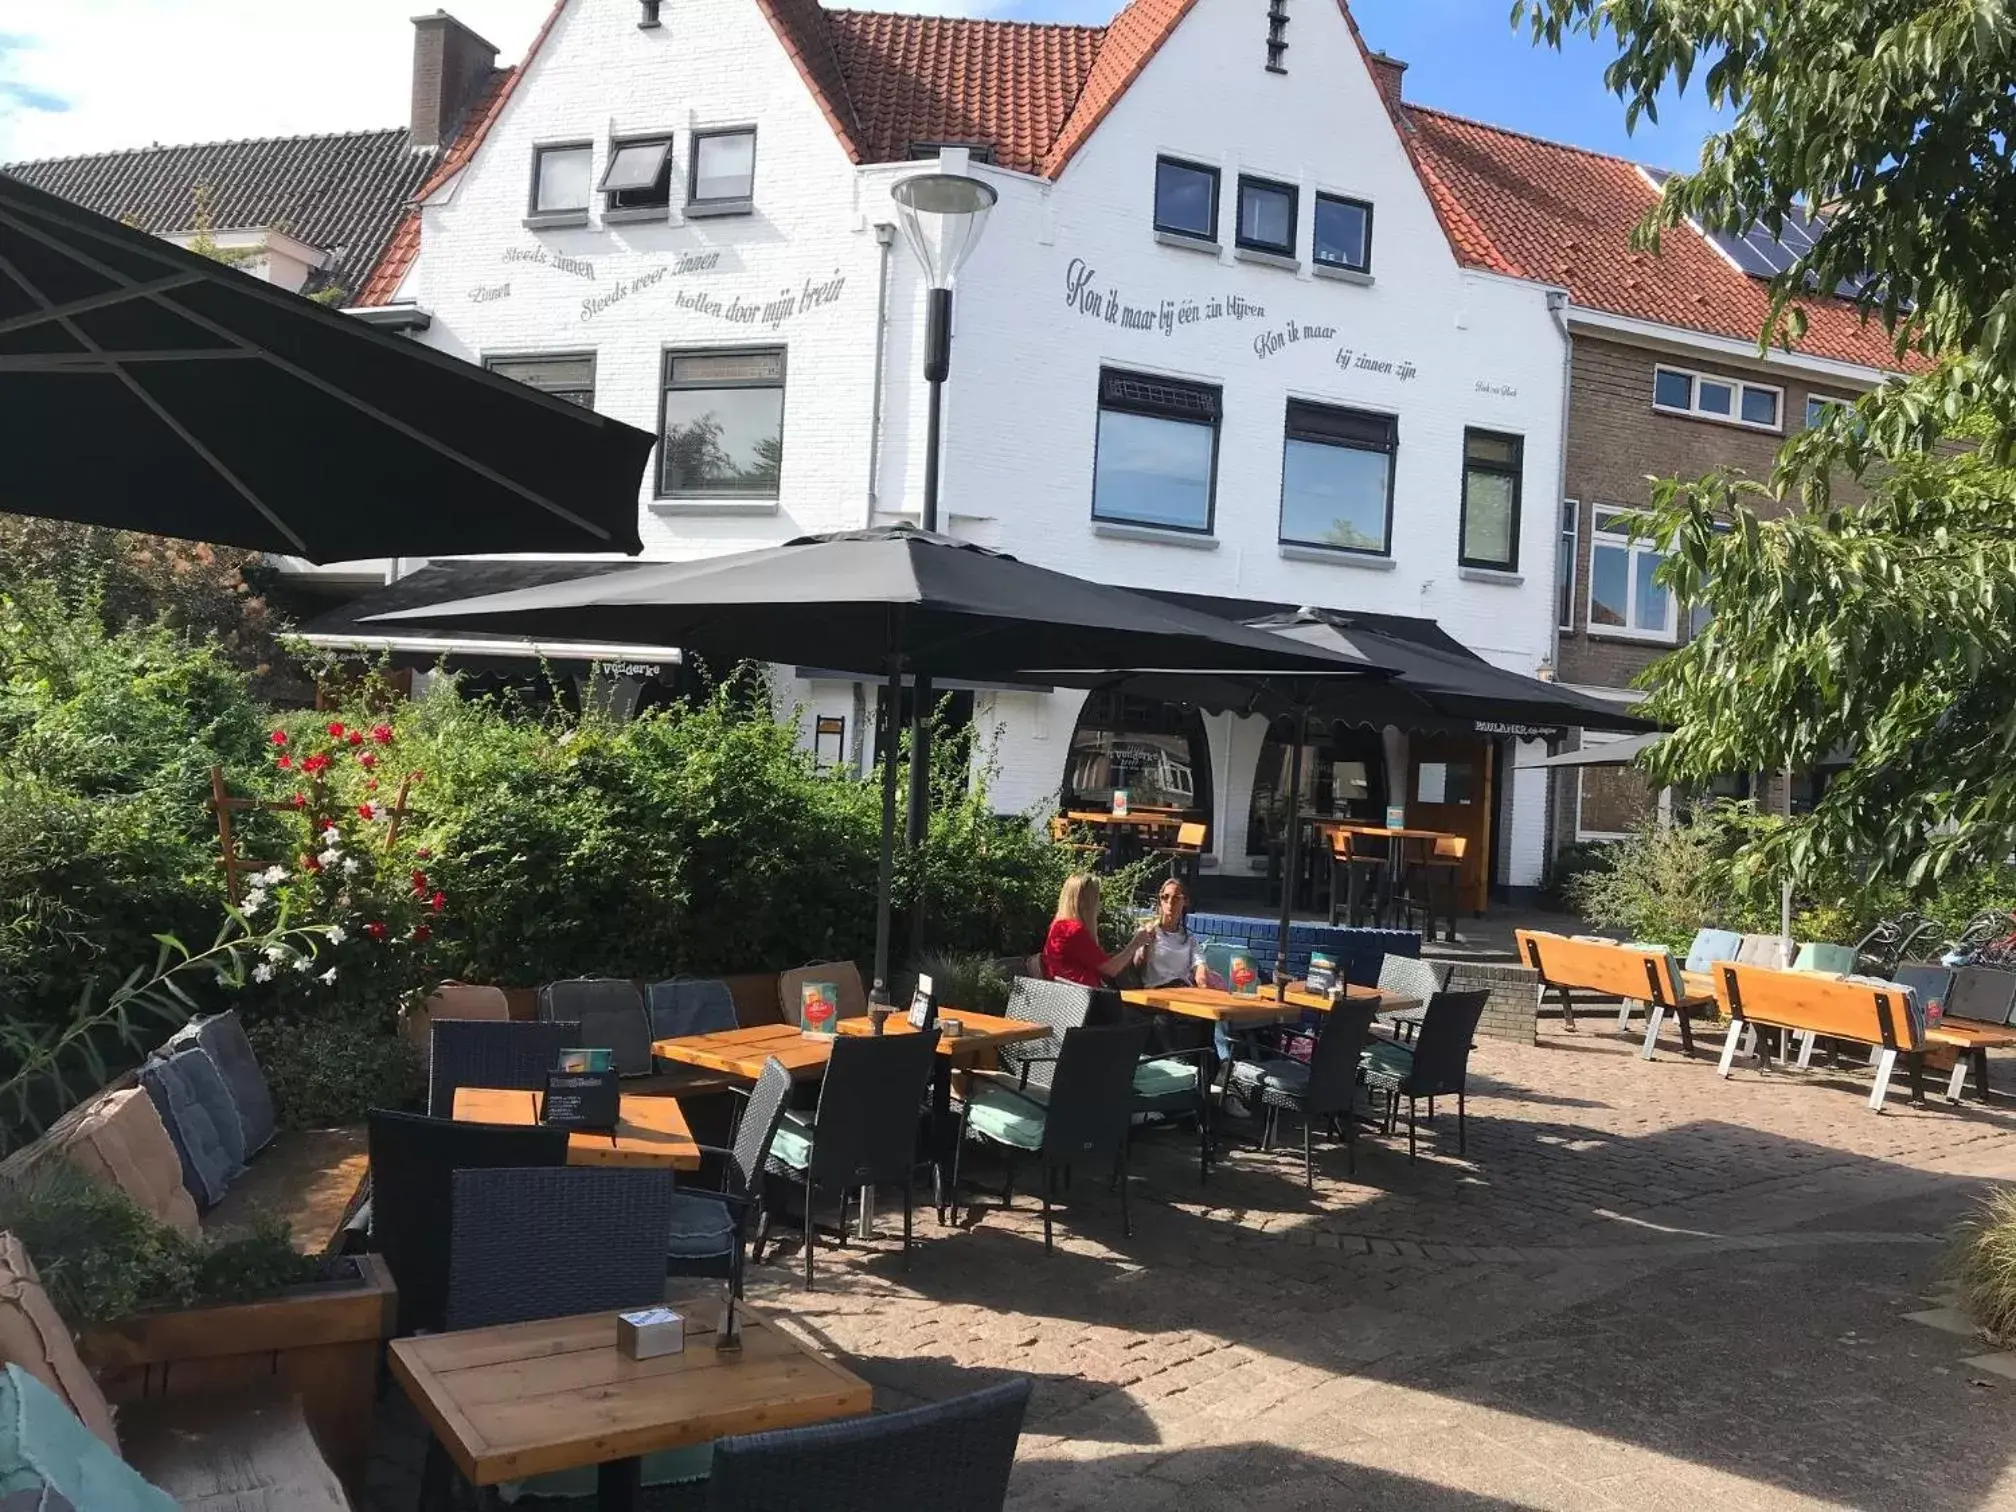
column 650, row 1333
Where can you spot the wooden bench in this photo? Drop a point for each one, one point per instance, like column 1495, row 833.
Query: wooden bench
column 1978, row 1003
column 1877, row 1014
column 1629, row 974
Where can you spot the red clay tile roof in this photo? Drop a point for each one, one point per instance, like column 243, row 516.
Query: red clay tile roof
column 1562, row 215
column 801, row 26
column 1124, row 50
column 919, row 79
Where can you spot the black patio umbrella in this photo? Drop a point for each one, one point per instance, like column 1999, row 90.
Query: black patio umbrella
column 148, row 388
column 889, row 603
column 1430, row 688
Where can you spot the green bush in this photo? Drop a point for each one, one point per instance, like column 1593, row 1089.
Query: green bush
column 324, row 1073
column 101, row 1257
column 1667, row 881
column 1983, row 1264
column 1570, row 863
column 975, row 982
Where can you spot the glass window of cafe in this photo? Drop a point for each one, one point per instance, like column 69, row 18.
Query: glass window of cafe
column 1343, row 777
column 1156, row 751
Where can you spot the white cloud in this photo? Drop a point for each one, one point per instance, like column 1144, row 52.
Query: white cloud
column 126, row 73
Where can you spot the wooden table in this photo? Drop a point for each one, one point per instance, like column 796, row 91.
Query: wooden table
column 1121, row 826
column 1396, row 846
column 1299, row 994
column 524, row 1399
column 741, row 1052
column 1211, row 1003
column 650, row 1131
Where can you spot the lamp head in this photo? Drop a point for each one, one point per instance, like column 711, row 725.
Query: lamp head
column 941, row 215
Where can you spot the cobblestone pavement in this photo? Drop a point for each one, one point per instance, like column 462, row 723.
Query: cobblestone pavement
column 1642, row 1287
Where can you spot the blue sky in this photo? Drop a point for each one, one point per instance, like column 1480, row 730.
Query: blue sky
column 257, row 68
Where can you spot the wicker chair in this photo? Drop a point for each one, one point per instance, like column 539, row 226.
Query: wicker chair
column 1436, row 1065
column 1322, row 1089
column 710, row 1230
column 550, row 1243
column 689, row 1005
column 864, row 1130
column 610, row 1011
column 1082, row 1117
column 1406, row 977
column 412, row 1161
column 479, row 1053
column 950, row 1456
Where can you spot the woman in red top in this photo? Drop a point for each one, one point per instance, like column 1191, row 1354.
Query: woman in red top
column 1072, row 952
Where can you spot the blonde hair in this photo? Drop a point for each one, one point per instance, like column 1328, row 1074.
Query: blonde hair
column 1079, row 900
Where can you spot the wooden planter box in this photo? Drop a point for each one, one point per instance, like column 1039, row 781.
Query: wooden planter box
column 319, row 1342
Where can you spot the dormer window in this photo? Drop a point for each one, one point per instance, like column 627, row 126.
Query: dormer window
column 639, row 175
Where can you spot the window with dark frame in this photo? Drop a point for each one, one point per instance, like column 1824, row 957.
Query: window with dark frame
column 1266, row 216
column 639, row 175
column 724, row 167
column 1492, row 465
column 979, row 152
column 560, row 178
column 1337, row 478
column 1565, row 563
column 1343, row 234
column 564, row 375
column 1156, row 459
column 722, row 424
column 1186, row 199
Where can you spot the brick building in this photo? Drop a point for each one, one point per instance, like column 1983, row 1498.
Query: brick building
column 1664, row 379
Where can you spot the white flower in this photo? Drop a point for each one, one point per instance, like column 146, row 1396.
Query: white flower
column 349, row 866
column 273, row 876
column 336, row 934
column 254, row 901
column 304, row 964
column 329, row 977
column 329, row 827
column 262, row 972
column 330, row 856
column 278, row 954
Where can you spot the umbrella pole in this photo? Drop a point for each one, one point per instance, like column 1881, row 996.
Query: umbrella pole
column 917, row 819
column 1291, row 860
column 885, row 868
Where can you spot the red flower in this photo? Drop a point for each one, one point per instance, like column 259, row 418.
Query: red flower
column 371, row 786
column 335, row 730
column 300, row 800
column 355, row 737
column 381, row 734
column 375, row 929
column 285, row 763
column 311, row 863
column 439, row 901
column 421, row 933
column 367, row 760
column 424, row 854
column 365, row 811
column 278, row 737
column 419, row 884
column 315, row 764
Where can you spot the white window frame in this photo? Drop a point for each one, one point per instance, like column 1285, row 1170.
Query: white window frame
column 1600, row 539
column 1569, row 534
column 1590, row 740
column 1816, row 398
column 1737, row 386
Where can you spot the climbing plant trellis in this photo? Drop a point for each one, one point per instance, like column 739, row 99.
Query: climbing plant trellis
column 224, row 805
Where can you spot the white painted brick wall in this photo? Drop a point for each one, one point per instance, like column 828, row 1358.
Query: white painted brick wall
column 1020, row 409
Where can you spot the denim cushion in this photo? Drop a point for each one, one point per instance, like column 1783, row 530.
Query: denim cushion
column 1165, row 1078
column 189, row 1093
column 223, row 1037
column 701, row 1226
column 793, row 1144
column 43, row 1448
column 1712, row 945
column 1006, row 1116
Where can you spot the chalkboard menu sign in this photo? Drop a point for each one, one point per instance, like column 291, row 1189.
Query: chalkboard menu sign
column 581, row 1099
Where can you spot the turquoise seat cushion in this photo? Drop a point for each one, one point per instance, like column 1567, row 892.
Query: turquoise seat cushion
column 46, row 1453
column 1712, row 945
column 1833, row 960
column 793, row 1144
column 1006, row 1116
column 1271, row 1075
column 667, row 1467
column 188, row 1091
column 1385, row 1059
column 701, row 1226
column 223, row 1038
column 1155, row 1079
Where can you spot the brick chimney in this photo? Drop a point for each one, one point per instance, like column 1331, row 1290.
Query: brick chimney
column 450, row 65
column 1386, row 74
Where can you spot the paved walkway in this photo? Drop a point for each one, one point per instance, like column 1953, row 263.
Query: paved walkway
column 1642, row 1288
